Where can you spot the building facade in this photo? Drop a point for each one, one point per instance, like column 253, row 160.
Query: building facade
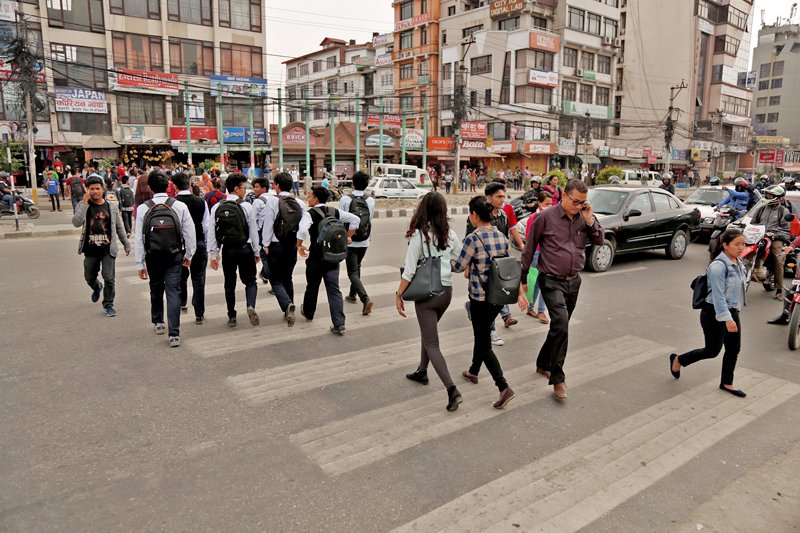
column 121, row 76
column 712, row 112
column 776, row 62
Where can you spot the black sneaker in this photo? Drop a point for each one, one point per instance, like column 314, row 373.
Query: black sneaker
column 338, row 330
column 303, row 314
column 350, row 299
column 232, row 322
column 263, row 278
column 453, row 398
column 420, row 376
column 97, row 292
column 200, row 320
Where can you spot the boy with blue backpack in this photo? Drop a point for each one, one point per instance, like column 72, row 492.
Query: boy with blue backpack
column 330, row 231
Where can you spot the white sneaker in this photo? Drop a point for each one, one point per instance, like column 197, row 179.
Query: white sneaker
column 174, row 342
column 160, row 328
column 496, row 340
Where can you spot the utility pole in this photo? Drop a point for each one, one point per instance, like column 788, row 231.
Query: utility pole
column 188, row 121
column 308, row 140
column 380, row 143
column 459, row 110
column 670, row 130
column 220, row 128
column 11, row 177
column 358, row 133
column 425, row 132
column 331, row 116
column 402, row 135
column 280, row 132
column 252, row 172
column 587, row 137
column 23, row 63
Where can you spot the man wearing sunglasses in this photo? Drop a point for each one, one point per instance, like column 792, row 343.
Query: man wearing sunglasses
column 560, row 233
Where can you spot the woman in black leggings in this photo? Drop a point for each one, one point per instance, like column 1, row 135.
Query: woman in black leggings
column 429, row 235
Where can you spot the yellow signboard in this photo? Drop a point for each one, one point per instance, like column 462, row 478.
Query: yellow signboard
column 695, row 155
column 770, row 139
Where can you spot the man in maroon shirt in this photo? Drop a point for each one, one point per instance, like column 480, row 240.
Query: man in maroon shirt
column 561, row 233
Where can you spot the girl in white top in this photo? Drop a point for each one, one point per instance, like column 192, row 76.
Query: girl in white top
column 429, row 234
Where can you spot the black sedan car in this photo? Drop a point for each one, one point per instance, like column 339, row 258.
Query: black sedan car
column 636, row 220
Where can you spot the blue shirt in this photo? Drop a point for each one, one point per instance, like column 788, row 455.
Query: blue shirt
column 52, row 186
column 727, row 283
column 738, row 200
column 325, row 182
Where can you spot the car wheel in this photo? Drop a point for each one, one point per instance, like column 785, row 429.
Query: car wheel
column 602, row 256
column 677, row 246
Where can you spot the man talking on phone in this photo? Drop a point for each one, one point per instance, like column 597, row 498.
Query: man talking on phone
column 560, row 233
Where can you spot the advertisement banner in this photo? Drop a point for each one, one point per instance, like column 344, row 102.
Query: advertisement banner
column 236, row 135
column 178, row 133
column 416, row 20
column 503, row 147
column 766, row 157
column 635, row 153
column 413, row 140
column 791, row 160
column 383, row 59
column 473, row 130
column 75, row 100
column 652, row 159
column 501, row 8
column 197, row 110
column 238, row 87
column 377, row 140
column 8, row 10
column 131, row 134
column 139, row 81
column 545, row 41
column 578, row 109
column 539, row 148
column 441, row 144
column 696, row 155
column 546, row 79
column 382, row 39
column 297, row 136
column 779, row 154
column 389, row 121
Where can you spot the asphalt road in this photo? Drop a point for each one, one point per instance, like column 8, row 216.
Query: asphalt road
column 105, row 428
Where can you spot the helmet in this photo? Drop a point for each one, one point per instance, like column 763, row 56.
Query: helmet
column 788, row 179
column 537, row 179
column 713, row 181
column 764, row 177
column 741, row 183
column 774, row 194
column 666, row 176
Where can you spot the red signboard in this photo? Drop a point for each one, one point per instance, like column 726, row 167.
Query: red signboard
column 416, row 20
column 545, row 41
column 473, row 130
column 123, row 79
column 178, row 133
column 766, row 157
column 389, row 121
column 652, row 159
column 440, row 144
column 779, row 154
column 297, row 135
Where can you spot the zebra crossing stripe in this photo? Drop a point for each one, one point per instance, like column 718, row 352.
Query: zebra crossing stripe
column 271, row 384
column 572, row 487
column 359, row 440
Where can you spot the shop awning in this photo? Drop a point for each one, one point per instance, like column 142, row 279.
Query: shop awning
column 590, row 159
column 100, row 142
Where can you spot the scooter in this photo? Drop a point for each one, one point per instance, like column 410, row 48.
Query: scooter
column 24, row 205
column 722, row 219
column 758, row 246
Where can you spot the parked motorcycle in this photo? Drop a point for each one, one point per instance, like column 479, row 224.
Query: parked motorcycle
column 24, row 206
column 722, row 219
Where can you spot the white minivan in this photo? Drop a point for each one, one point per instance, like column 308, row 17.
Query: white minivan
column 414, row 174
column 640, row 178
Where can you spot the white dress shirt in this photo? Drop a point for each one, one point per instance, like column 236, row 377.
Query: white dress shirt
column 205, row 215
column 344, row 205
column 270, row 213
column 250, row 218
column 350, row 219
column 187, row 228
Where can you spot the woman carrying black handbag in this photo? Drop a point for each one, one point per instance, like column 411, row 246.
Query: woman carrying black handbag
column 427, row 274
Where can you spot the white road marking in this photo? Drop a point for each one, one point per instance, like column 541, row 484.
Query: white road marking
column 615, row 272
column 572, row 487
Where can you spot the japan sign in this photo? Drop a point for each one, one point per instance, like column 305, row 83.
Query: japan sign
column 75, row 100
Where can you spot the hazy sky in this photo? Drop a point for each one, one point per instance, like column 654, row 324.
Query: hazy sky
column 295, row 28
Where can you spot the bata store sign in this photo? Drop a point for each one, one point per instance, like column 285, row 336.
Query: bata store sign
column 297, row 135
column 389, row 121
column 545, row 41
column 467, row 144
column 473, row 130
column 178, row 133
column 139, row 81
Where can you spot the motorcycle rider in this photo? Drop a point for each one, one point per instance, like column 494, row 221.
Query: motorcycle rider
column 737, row 198
column 5, row 192
column 789, row 183
column 772, row 216
column 714, row 182
column 529, row 199
column 763, row 182
column 783, row 319
column 666, row 183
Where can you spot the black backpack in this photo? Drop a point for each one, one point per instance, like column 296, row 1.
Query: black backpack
column 288, row 220
column 126, row 198
column 504, row 279
column 230, row 224
column 360, row 208
column 76, row 188
column 162, row 229
column 331, row 234
column 700, row 288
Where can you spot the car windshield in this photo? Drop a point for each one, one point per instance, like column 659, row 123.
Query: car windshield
column 373, row 184
column 606, row 201
column 706, row 197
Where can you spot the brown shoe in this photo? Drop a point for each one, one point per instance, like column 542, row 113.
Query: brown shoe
column 533, row 313
column 505, row 397
column 543, row 372
column 543, row 318
column 560, row 392
column 509, row 321
column 367, row 308
column 469, row 377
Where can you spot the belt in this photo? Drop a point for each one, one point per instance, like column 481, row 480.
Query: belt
column 562, row 278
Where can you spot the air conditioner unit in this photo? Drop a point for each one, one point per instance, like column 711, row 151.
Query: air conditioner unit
column 553, row 109
column 607, row 40
column 579, row 72
column 617, row 42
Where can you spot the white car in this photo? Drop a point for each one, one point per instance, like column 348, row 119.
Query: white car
column 705, row 199
column 387, row 187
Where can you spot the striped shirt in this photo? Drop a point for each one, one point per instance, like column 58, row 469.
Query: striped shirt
column 476, row 254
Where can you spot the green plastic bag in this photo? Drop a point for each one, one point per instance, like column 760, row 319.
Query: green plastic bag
column 533, row 275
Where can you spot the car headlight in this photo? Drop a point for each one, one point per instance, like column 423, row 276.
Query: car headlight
column 708, row 220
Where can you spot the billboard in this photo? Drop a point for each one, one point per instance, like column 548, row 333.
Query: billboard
column 236, row 135
column 546, row 79
column 140, row 81
column 75, row 100
column 473, row 130
column 178, row 133
column 545, row 41
column 389, row 121
column 238, row 87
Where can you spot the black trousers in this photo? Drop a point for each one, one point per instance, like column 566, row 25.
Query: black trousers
column 91, row 268
column 165, row 278
column 429, row 313
column 282, row 259
column 243, row 260
column 483, row 316
column 55, row 201
column 716, row 336
column 197, row 271
column 126, row 220
column 353, row 262
column 561, row 297
column 316, row 273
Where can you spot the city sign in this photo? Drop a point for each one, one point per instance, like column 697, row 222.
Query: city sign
column 238, row 87
column 547, row 79
column 502, row 8
column 139, row 81
column 75, row 100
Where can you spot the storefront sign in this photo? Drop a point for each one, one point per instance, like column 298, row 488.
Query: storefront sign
column 578, row 109
column 131, row 134
column 377, row 140
column 7, row 72
column 235, row 86
column 139, row 81
column 178, row 133
column 750, row 80
column 473, row 130
column 413, row 140
column 503, row 147
column 545, row 41
column 382, row 39
column 416, row 20
column 297, row 135
column 766, row 157
column 75, row 100
column 603, row 151
column 679, row 155
column 791, row 160
column 389, row 121
column 383, row 59
column 635, row 153
column 8, row 10
column 696, row 155
column 546, row 79
column 501, row 8
column 467, row 144
column 589, row 74
column 779, row 155
column 617, row 152
column 770, row 139
column 652, row 159
column 440, row 144
column 701, row 145
column 197, row 109
column 242, row 135
column 539, row 148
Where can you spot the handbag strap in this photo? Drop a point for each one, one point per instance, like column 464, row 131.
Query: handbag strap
column 422, row 240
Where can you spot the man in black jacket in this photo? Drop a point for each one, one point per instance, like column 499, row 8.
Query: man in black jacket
column 197, row 270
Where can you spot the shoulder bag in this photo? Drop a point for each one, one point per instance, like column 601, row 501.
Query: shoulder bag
column 427, row 280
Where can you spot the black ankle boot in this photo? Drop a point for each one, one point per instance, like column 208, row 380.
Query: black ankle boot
column 453, row 398
column 420, row 376
column 781, row 320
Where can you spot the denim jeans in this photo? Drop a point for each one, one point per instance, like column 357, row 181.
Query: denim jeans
column 75, row 202
column 197, row 271
column 91, row 268
column 296, row 188
column 8, row 200
column 165, row 277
